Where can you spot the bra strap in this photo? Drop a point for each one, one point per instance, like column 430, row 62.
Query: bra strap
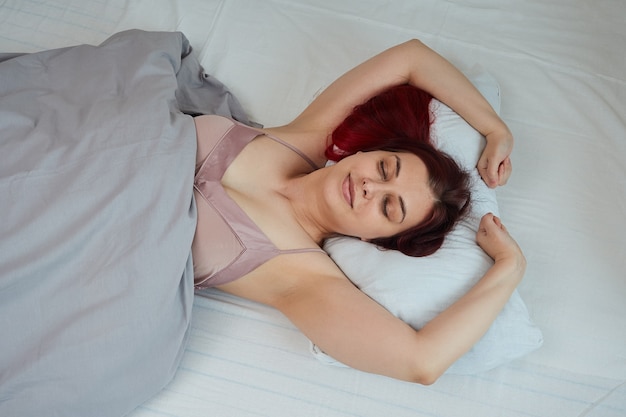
column 293, row 148
column 301, row 250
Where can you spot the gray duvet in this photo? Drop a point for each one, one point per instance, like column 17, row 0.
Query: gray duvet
column 97, row 218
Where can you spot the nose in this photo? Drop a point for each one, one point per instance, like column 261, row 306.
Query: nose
column 371, row 188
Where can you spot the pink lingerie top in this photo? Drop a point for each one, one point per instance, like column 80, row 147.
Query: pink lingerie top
column 227, row 244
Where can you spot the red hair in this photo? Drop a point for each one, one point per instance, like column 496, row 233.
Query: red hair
column 399, row 120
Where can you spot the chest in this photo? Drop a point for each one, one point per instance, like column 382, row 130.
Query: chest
column 242, row 220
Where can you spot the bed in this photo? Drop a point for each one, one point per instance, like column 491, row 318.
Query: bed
column 560, row 68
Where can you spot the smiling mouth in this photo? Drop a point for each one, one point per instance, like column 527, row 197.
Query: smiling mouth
column 348, row 190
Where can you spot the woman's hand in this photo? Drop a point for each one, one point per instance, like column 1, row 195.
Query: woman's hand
column 494, row 165
column 495, row 240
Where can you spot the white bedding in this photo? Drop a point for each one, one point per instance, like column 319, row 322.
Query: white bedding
column 561, row 66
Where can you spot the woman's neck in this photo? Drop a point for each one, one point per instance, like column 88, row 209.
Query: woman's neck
column 302, row 194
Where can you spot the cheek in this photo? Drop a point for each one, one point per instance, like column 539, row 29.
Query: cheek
column 371, row 211
column 376, row 225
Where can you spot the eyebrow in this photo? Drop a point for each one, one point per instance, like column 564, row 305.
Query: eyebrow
column 402, row 206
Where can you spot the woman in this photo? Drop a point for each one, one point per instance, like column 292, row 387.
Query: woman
column 266, row 185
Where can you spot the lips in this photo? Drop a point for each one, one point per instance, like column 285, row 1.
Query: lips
column 348, row 190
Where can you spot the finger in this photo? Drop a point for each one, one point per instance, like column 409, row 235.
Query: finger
column 501, row 174
column 484, row 223
column 505, row 171
column 488, row 216
column 497, row 221
column 488, row 172
column 493, row 174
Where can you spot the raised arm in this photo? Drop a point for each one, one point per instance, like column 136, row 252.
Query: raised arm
column 415, row 63
column 353, row 329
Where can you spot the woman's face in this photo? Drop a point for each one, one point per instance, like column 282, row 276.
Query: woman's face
column 378, row 194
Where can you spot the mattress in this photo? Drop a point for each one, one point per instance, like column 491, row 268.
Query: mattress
column 561, row 66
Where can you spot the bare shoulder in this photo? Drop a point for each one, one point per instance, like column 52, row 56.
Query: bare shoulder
column 312, row 142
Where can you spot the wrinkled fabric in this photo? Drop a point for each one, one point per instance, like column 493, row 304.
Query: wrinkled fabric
column 98, row 216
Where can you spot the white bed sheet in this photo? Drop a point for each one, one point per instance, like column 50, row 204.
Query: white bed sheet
column 561, row 65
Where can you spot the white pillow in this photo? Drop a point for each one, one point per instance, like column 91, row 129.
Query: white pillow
column 417, row 289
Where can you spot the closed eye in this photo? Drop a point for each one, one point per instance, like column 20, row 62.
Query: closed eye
column 394, row 211
column 384, row 173
column 383, row 169
column 398, row 165
column 385, row 206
